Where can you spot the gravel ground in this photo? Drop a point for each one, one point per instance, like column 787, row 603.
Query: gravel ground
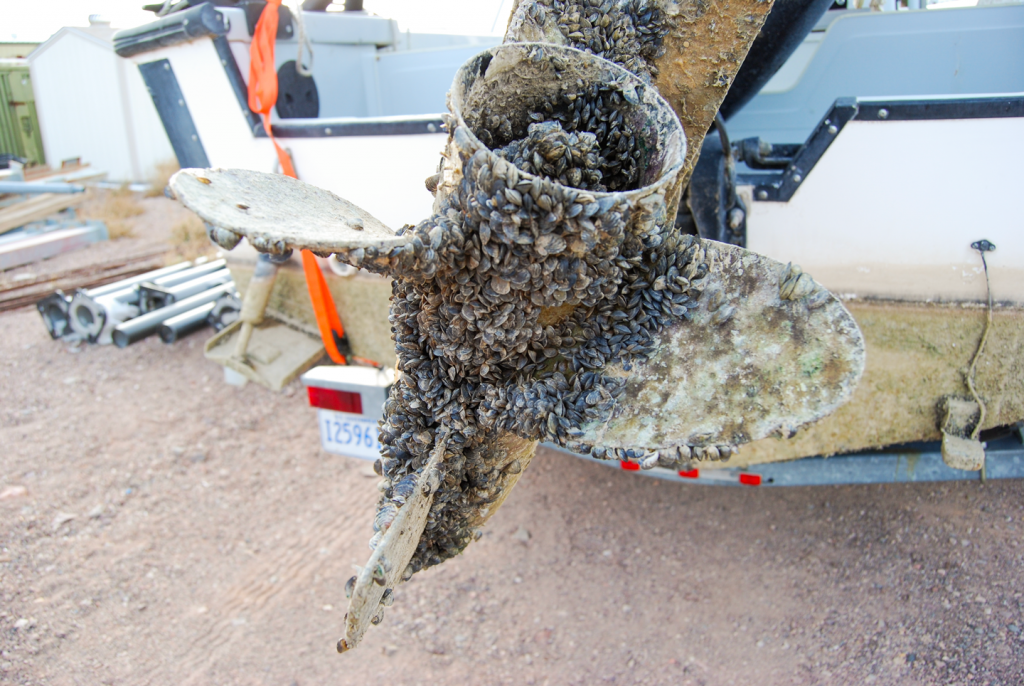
column 158, row 526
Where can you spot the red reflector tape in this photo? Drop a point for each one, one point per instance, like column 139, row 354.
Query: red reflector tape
column 339, row 401
column 721, row 476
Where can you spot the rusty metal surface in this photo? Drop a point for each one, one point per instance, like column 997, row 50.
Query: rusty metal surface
column 704, row 45
column 704, row 48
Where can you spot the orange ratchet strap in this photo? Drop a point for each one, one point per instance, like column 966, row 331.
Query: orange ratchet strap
column 263, row 77
column 327, row 318
column 262, row 98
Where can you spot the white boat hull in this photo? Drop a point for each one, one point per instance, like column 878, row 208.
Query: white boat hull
column 891, row 209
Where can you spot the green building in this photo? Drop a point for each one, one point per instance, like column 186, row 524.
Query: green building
column 19, row 124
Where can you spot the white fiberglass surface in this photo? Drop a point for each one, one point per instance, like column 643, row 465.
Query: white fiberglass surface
column 382, row 174
column 892, row 208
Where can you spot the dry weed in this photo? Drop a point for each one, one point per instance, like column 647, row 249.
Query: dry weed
column 114, row 208
column 161, row 175
column 189, row 241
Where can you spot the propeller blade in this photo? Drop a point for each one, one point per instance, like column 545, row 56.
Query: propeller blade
column 765, row 351
column 277, row 213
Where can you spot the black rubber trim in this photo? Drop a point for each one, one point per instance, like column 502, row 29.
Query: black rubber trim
column 369, row 126
column 959, row 108
column 780, row 186
column 173, row 110
column 180, row 27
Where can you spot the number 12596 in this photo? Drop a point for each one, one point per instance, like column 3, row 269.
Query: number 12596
column 346, row 434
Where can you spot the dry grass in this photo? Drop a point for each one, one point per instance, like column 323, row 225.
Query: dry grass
column 161, row 175
column 115, row 209
column 189, row 240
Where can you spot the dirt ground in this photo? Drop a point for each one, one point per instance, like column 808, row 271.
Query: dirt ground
column 158, row 526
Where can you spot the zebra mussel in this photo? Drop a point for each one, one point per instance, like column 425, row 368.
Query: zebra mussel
column 526, row 282
column 551, row 266
column 627, row 32
column 796, row 284
column 579, row 139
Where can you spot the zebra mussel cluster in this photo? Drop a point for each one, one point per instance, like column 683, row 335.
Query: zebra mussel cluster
column 580, row 140
column 509, row 302
column 630, row 33
column 571, row 158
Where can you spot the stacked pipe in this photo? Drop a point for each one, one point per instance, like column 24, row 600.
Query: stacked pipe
column 172, row 302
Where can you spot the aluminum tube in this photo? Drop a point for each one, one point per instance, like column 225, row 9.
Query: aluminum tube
column 144, row 325
column 139, row 278
column 28, row 188
column 153, row 297
column 93, row 319
column 185, row 323
column 203, row 283
column 189, row 274
column 130, row 293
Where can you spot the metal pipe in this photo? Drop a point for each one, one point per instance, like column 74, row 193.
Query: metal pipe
column 257, row 295
column 130, row 293
column 189, row 274
column 153, row 297
column 29, row 188
column 203, row 283
column 136, row 329
column 185, row 323
column 93, row 319
column 138, row 278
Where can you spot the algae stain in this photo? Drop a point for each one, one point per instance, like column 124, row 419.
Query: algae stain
column 811, row 363
column 912, row 460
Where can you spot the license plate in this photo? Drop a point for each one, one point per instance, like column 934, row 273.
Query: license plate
column 346, row 434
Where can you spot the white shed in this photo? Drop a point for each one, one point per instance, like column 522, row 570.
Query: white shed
column 93, row 104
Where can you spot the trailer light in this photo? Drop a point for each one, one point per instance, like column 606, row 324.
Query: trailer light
column 339, row 401
column 750, row 479
column 690, row 473
column 351, row 389
column 630, row 466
